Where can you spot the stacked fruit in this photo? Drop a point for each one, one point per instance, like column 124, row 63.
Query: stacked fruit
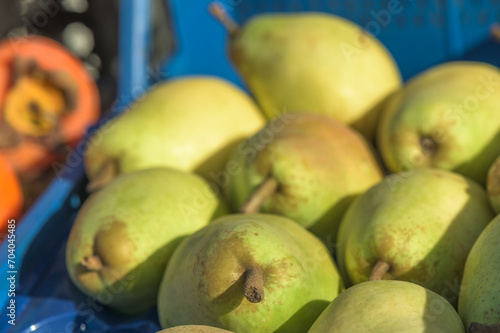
column 220, row 219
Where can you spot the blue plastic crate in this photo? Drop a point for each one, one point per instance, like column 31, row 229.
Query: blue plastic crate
column 423, row 33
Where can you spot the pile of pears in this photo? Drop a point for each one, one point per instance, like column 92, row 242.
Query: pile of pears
column 329, row 196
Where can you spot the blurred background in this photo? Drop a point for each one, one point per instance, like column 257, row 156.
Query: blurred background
column 89, row 30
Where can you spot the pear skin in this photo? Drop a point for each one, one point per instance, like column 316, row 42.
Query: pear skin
column 320, row 165
column 479, row 299
column 493, row 185
column 388, row 307
column 317, row 63
column 417, row 226
column 446, row 117
column 249, row 273
column 189, row 123
column 125, row 234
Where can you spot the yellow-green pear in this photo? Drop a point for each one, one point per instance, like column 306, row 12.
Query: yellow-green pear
column 189, row 123
column 125, row 234
column 446, row 117
column 479, row 299
column 249, row 273
column 313, row 62
column 417, row 226
column 194, row 329
column 388, row 307
column 315, row 165
column 493, row 185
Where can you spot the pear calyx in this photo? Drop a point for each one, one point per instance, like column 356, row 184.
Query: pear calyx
column 378, row 271
column 255, row 201
column 483, row 328
column 254, row 285
column 219, row 12
column 428, row 145
column 92, row 263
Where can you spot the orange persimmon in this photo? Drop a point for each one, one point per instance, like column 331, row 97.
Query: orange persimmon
column 47, row 101
column 11, row 195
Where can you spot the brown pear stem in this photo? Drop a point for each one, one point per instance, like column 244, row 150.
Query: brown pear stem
column 108, row 172
column 219, row 12
column 483, row 328
column 378, row 271
column 254, row 285
column 92, row 263
column 256, row 200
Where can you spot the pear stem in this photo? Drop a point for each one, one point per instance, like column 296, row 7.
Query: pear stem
column 256, row 200
column 378, row 271
column 483, row 328
column 108, row 172
column 219, row 12
column 92, row 263
column 254, row 285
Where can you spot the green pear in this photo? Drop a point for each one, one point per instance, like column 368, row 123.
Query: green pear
column 188, row 123
column 249, row 273
column 125, row 234
column 493, row 185
column 417, row 226
column 388, row 307
column 317, row 166
column 194, row 329
column 313, row 62
column 446, row 117
column 479, row 299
